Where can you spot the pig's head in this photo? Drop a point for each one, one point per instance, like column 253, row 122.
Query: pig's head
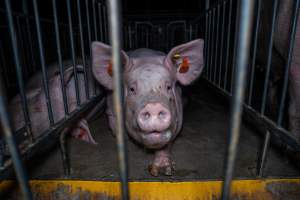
column 152, row 100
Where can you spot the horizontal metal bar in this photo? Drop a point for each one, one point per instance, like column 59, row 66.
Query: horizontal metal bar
column 281, row 138
column 48, row 139
column 114, row 12
column 242, row 48
column 5, row 125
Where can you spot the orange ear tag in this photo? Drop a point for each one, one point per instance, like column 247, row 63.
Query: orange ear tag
column 109, row 69
column 184, row 67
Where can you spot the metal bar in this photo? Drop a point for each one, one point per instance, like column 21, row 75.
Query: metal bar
column 116, row 41
column 228, row 44
column 280, row 136
column 17, row 61
column 274, row 19
column 254, row 52
column 94, row 19
column 222, row 43
column 206, row 35
column 216, row 45
column 10, row 140
column 105, row 24
column 73, row 51
column 289, row 60
column 59, row 55
column 263, row 157
column 45, row 141
column 86, row 83
column 208, row 55
column 245, row 18
column 42, row 59
column 100, row 21
column 64, row 154
column 212, row 45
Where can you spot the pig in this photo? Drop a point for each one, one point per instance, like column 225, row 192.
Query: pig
column 37, row 106
column 152, row 91
column 279, row 57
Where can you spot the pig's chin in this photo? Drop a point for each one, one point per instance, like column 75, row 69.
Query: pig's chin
column 156, row 140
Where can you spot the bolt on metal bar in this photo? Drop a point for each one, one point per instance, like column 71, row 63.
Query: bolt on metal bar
column 289, row 60
column 269, row 58
column 100, row 21
column 228, row 44
column 86, row 83
column 242, row 48
column 217, row 44
column 73, row 51
column 116, row 41
column 222, row 43
column 263, row 157
column 257, row 23
column 10, row 141
column 42, row 59
column 59, row 55
column 13, row 37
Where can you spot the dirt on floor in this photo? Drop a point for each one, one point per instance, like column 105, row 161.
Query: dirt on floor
column 198, row 151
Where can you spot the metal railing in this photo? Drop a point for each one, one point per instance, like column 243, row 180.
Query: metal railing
column 229, row 24
column 71, row 36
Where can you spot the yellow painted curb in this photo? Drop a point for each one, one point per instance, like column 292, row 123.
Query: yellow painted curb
column 288, row 189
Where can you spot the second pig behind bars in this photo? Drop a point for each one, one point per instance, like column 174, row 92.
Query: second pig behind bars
column 152, row 90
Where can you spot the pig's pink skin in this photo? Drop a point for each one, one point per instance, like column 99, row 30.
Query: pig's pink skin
column 151, row 81
column 37, row 102
column 281, row 43
column 279, row 56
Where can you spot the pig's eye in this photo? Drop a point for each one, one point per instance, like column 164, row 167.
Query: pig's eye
column 169, row 88
column 132, row 90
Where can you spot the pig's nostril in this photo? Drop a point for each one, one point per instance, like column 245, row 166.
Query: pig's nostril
column 146, row 115
column 161, row 114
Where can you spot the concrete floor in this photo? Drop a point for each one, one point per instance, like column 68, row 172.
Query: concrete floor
column 198, row 151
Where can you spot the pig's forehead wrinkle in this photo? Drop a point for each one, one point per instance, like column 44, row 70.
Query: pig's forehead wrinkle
column 138, row 62
column 150, row 73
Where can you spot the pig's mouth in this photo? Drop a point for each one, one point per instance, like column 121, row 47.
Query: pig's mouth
column 156, row 140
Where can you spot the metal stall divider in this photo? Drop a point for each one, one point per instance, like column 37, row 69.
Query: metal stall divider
column 4, row 118
column 242, row 48
column 114, row 12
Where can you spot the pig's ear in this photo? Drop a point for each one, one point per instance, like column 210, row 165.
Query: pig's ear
column 188, row 61
column 102, row 64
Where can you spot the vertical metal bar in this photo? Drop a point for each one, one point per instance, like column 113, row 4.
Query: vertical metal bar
column 254, row 52
column 209, row 47
column 206, row 35
column 228, row 44
column 242, row 48
column 289, row 60
column 222, row 43
column 216, row 45
column 129, row 35
column 274, row 19
column 100, row 21
column 59, row 55
column 86, row 86
column 116, row 41
column 42, row 59
column 105, row 24
column 263, row 157
column 212, row 45
column 10, row 140
column 73, row 51
column 17, row 61
column 94, row 19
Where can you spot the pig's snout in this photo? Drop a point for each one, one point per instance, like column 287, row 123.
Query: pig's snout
column 154, row 117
